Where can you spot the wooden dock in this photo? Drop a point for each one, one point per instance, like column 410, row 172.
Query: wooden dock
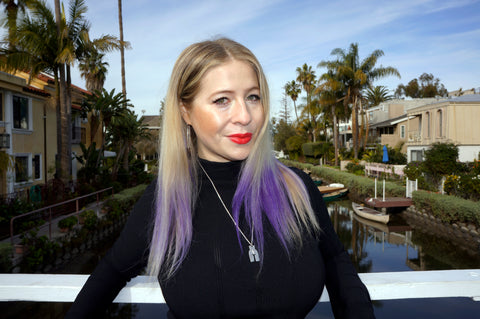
column 389, row 202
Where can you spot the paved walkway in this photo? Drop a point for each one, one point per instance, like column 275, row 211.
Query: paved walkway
column 52, row 232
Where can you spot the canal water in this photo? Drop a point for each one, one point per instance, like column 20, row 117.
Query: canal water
column 400, row 246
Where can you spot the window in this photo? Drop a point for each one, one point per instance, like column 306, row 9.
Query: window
column 37, row 167
column 402, row 131
column 1, row 107
column 416, row 156
column 20, row 113
column 440, row 123
column 428, row 124
column 21, row 169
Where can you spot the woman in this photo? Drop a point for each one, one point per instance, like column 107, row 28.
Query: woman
column 235, row 233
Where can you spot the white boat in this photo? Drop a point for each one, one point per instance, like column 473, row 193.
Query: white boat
column 370, row 213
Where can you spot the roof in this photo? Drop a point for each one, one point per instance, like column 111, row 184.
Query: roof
column 151, row 120
column 466, row 98
column 389, row 122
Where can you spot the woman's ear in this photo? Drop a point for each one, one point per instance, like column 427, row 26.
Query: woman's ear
column 185, row 114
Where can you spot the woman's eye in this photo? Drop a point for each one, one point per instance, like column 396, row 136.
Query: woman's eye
column 221, row 101
column 253, row 98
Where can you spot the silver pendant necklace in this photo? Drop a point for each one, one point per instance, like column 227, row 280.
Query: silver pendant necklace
column 252, row 251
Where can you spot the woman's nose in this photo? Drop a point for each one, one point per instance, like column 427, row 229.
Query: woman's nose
column 241, row 113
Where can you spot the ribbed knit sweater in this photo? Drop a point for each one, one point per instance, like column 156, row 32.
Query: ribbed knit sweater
column 217, row 279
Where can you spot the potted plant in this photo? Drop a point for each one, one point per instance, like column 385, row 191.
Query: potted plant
column 67, row 223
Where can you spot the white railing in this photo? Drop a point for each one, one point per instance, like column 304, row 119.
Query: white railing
column 376, row 169
column 142, row 289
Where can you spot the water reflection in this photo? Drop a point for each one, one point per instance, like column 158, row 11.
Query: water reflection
column 377, row 247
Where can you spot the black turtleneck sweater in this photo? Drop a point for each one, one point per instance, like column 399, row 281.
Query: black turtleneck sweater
column 217, row 280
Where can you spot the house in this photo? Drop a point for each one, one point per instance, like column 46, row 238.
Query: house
column 147, row 148
column 454, row 120
column 28, row 129
column 387, row 121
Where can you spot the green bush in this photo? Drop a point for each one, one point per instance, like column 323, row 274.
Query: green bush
column 449, row 209
column 294, row 145
column 355, row 168
column 317, row 149
column 5, row 257
column 90, row 219
column 67, row 222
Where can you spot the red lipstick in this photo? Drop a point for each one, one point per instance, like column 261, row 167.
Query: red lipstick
column 240, row 138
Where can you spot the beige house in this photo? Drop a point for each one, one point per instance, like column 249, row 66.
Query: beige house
column 28, row 129
column 455, row 120
column 147, row 148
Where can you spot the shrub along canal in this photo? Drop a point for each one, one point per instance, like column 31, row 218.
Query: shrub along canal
column 406, row 244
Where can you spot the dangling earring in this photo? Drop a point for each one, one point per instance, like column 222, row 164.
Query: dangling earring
column 189, row 141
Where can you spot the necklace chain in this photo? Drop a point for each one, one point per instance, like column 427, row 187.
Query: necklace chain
column 252, row 251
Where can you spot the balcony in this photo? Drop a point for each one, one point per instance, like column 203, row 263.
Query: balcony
column 414, row 136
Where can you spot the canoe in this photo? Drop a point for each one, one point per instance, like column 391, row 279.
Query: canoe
column 328, row 197
column 331, row 188
column 370, row 213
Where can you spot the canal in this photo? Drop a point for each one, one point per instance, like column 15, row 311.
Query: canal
column 403, row 245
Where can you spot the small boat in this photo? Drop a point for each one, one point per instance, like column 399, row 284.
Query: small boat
column 328, row 197
column 330, row 188
column 370, row 213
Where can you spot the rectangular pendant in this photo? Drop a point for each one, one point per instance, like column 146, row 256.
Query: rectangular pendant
column 253, row 254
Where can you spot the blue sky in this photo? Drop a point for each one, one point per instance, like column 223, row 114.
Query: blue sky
column 417, row 36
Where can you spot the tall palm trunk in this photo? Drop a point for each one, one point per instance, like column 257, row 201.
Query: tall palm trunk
column 355, row 128
column 335, row 134
column 122, row 48
column 63, row 169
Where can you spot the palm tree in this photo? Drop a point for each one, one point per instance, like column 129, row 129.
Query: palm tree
column 306, row 77
column 293, row 90
column 125, row 130
column 94, row 70
column 122, row 49
column 356, row 75
column 105, row 106
column 12, row 9
column 377, row 95
column 330, row 94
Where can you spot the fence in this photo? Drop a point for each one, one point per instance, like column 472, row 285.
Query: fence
column 48, row 212
column 377, row 169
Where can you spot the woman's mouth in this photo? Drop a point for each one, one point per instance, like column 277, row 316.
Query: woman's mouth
column 240, row 138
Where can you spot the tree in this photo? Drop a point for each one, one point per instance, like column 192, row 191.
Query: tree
column 283, row 131
column 356, row 75
column 122, row 48
column 306, row 77
column 330, row 94
column 105, row 106
column 94, row 70
column 293, row 90
column 377, row 95
column 124, row 131
column 12, row 9
column 440, row 160
column 284, row 112
column 427, row 85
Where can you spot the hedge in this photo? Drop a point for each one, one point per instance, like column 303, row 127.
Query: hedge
column 449, row 209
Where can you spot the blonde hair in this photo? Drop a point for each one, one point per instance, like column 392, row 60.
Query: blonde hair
column 177, row 185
